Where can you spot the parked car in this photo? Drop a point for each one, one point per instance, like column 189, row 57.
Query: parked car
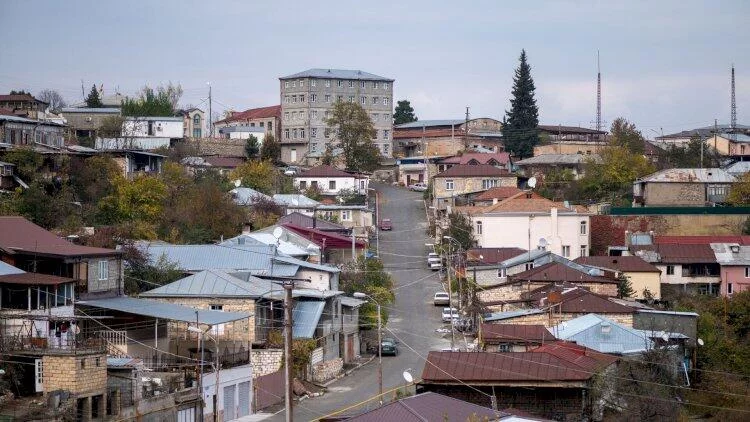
column 441, row 299
column 388, row 347
column 434, row 261
column 385, row 224
column 436, row 266
column 418, row 187
column 291, row 170
column 449, row 314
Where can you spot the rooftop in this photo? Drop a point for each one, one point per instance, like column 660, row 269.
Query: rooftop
column 214, row 283
column 702, row 240
column 19, row 235
column 324, row 171
column 619, row 263
column 557, row 159
column 295, row 200
column 489, row 256
column 555, row 129
column 429, row 407
column 669, row 253
column 499, row 192
column 247, row 196
column 603, row 335
column 254, row 113
column 736, row 137
column 516, row 333
column 302, row 220
column 95, row 110
column 731, row 254
column 162, row 310
column 570, row 272
column 477, row 170
column 521, row 202
column 337, row 74
column 474, row 158
column 20, row 97
column 688, row 175
column 501, row 316
column 430, row 123
column 576, row 300
column 703, row 131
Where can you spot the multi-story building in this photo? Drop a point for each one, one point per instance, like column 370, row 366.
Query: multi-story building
column 266, row 118
column 307, row 99
column 23, row 105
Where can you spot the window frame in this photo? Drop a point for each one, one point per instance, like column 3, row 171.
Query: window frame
column 449, row 184
column 583, row 228
column 478, row 227
column 103, row 270
column 331, row 185
column 565, row 251
column 670, row 270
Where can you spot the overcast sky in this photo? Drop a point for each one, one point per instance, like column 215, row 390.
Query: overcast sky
column 665, row 64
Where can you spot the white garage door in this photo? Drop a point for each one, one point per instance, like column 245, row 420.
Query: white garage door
column 229, row 403
column 243, row 398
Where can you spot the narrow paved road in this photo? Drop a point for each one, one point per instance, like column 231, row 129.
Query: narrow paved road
column 413, row 318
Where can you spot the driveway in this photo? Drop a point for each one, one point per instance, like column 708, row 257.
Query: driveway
column 412, row 318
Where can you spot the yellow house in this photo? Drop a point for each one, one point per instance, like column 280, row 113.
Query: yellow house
column 643, row 276
column 730, row 144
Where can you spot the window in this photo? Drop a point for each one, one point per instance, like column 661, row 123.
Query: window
column 332, row 184
column 98, row 362
column 286, row 84
column 286, row 99
column 449, row 184
column 489, row 183
column 747, row 272
column 670, row 270
column 730, row 289
column 340, row 83
column 328, row 98
column 286, row 116
column 313, row 98
column 375, row 100
column 294, row 115
column 362, row 84
column 302, row 133
column 351, row 84
column 479, row 227
column 196, row 133
column 375, row 85
column 346, row 215
column 302, row 115
column 351, row 98
column 303, row 184
column 302, row 98
column 261, row 124
column 294, row 133
column 328, row 83
column 313, row 114
column 83, row 363
column 528, row 266
column 583, row 227
column 584, row 250
column 374, row 117
column 566, row 251
column 385, row 148
column 386, row 116
column 294, row 98
column 386, row 134
column 252, row 124
column 312, row 82
column 313, row 147
column 197, row 120
column 339, row 98
column 314, row 132
column 363, row 100
column 385, row 85
column 385, row 100
column 326, row 133
column 504, row 348
column 294, row 84
column 301, row 83
column 286, row 133
column 270, row 126
column 103, row 270
column 217, row 329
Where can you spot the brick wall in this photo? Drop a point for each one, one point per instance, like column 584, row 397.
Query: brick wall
column 266, row 361
column 326, row 370
column 67, row 373
column 221, row 147
column 241, row 330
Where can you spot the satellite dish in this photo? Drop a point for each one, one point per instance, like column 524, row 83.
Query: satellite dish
column 542, row 243
column 278, row 232
column 665, row 337
column 700, row 342
column 532, row 182
column 238, row 183
column 408, row 377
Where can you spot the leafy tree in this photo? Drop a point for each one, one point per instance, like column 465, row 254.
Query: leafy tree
column 611, row 177
column 259, row 175
column 53, row 98
column 91, row 180
column 746, row 227
column 150, row 102
column 111, row 127
column 689, row 156
column 739, row 194
column 404, row 113
column 264, row 212
column 520, row 127
column 141, row 276
column 313, row 192
column 135, row 204
column 625, row 134
column 271, row 149
column 251, row 147
column 49, row 205
column 460, row 228
column 556, row 184
column 354, row 133
column 367, row 275
column 27, row 161
column 93, row 100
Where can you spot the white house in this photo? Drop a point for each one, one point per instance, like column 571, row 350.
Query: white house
column 331, row 181
column 529, row 221
column 243, row 132
column 163, row 127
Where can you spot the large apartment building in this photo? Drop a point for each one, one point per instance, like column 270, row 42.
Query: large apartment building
column 307, row 99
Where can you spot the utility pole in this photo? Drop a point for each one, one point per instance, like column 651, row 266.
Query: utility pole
column 733, row 118
column 559, row 138
column 466, row 130
column 210, row 117
column 288, row 285
column 598, row 94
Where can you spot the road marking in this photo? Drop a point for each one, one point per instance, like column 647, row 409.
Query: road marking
column 339, row 389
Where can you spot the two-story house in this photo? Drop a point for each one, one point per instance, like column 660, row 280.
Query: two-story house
column 734, row 260
column 447, row 137
column 461, row 180
column 21, row 132
column 683, row 187
column 23, row 105
column 266, row 118
column 145, row 132
column 685, row 268
column 332, row 181
column 541, row 165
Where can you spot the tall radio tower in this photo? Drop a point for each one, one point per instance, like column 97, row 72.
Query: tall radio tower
column 599, row 93
column 733, row 119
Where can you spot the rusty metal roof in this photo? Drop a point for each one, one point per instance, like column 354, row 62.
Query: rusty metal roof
column 515, row 333
column 18, row 234
column 429, row 407
column 619, row 263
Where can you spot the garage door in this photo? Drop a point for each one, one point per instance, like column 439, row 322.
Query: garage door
column 229, row 403
column 243, row 398
column 186, row 415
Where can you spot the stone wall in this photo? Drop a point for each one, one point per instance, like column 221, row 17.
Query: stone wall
column 219, row 146
column 240, row 330
column 327, row 370
column 78, row 374
column 514, row 291
column 670, row 194
column 266, row 361
column 114, row 277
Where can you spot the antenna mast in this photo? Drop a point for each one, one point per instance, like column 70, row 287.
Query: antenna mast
column 599, row 93
column 733, row 119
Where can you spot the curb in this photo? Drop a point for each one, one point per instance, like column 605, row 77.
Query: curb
column 339, row 376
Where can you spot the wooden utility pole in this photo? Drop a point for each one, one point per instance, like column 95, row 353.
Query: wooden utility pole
column 288, row 285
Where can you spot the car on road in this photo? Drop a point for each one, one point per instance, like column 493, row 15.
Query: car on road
column 385, row 224
column 450, row 314
column 434, row 262
column 418, row 187
column 441, row 299
column 388, row 347
column 436, row 266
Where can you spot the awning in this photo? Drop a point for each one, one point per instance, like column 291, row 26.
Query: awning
column 305, row 317
column 162, row 310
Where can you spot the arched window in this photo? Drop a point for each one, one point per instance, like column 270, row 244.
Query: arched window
column 197, row 120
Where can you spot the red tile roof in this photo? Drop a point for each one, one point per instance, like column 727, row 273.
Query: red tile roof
column 31, row 279
column 502, row 368
column 254, row 113
column 19, row 97
column 632, row 264
column 429, row 407
column 478, row 170
column 474, row 158
column 702, row 240
column 672, row 253
column 325, row 171
column 508, row 333
column 18, row 234
column 557, row 272
column 520, row 202
column 500, row 192
column 491, row 256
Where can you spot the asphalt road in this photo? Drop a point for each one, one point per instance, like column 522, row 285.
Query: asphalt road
column 412, row 321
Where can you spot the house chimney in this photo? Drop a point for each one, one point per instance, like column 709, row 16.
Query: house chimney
column 494, row 201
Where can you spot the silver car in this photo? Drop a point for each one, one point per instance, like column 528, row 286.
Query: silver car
column 441, row 299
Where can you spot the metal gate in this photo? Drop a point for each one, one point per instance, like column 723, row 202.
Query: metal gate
column 243, row 398
column 186, row 415
column 229, row 403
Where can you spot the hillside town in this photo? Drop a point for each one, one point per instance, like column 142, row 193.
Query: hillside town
column 331, row 255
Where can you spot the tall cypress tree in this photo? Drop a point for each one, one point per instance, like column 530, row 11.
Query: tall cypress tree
column 520, row 126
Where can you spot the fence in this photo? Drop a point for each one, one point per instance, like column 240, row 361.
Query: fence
column 227, row 360
column 269, row 390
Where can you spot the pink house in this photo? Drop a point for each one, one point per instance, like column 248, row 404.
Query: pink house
column 734, row 260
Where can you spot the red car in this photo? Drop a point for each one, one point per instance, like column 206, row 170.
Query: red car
column 385, row 224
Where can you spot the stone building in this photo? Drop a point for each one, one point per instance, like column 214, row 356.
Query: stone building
column 307, row 99
column 447, row 137
column 23, row 105
column 267, row 118
column 683, row 187
column 86, row 122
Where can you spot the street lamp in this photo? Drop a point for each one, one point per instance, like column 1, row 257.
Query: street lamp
column 202, row 333
column 450, row 288
column 361, row 295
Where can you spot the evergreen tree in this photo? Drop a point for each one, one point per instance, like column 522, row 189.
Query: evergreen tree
column 520, row 127
column 251, row 147
column 93, row 100
column 404, row 113
column 271, row 149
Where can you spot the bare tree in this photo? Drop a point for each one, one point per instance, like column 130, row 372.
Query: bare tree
column 53, row 98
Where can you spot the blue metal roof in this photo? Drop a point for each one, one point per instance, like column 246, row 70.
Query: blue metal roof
column 499, row 316
column 6, row 269
column 337, row 74
column 162, row 310
column 214, row 283
column 429, row 123
column 305, row 317
column 603, row 335
column 736, row 137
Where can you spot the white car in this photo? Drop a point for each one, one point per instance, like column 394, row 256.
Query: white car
column 418, row 187
column 291, row 170
column 436, row 266
column 441, row 299
column 433, row 257
column 450, row 314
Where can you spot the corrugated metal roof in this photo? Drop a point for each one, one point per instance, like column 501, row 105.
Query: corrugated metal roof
column 325, row 171
column 291, row 237
column 214, row 283
column 516, row 333
column 20, row 234
column 739, row 168
column 619, row 263
column 305, row 317
column 306, row 293
column 155, row 118
column 284, row 247
column 124, row 362
column 475, row 170
column 654, row 311
column 294, row 200
column 521, row 258
column 25, row 120
column 429, row 407
column 352, row 302
column 255, row 259
column 337, row 74
column 559, row 159
column 726, row 255
column 232, row 129
column 6, row 269
column 687, row 175
column 429, row 123
column 246, row 196
column 603, row 335
column 499, row 316
column 302, row 220
column 162, row 310
column 736, row 137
